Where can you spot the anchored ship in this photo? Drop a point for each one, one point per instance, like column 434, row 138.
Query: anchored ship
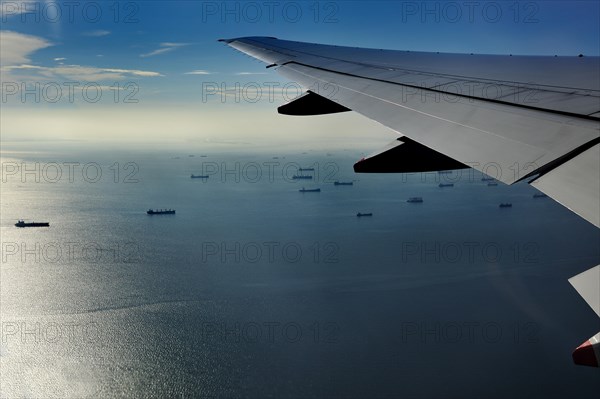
column 363, row 214
column 415, row 200
column 161, row 212
column 446, row 185
column 199, row 176
column 22, row 223
column 506, row 205
column 343, row 183
column 310, row 190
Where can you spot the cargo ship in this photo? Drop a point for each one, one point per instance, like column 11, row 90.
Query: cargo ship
column 22, row 223
column 506, row 205
column 161, row 212
column 343, row 183
column 306, row 169
column 310, row 190
column 415, row 200
column 199, row 176
column 446, row 185
column 363, row 214
column 297, row 177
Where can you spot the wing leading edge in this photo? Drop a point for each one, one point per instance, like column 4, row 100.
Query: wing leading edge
column 523, row 117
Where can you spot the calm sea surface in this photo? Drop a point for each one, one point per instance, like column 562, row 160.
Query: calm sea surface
column 254, row 289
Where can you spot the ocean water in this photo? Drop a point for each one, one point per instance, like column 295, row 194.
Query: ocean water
column 254, row 289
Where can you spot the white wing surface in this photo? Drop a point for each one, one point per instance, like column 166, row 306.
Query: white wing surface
column 512, row 117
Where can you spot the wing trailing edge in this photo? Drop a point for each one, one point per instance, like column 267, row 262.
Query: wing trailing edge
column 576, row 184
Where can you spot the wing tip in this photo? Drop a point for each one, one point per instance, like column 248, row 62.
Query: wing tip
column 586, row 354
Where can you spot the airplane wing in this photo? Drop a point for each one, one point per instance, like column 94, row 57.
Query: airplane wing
column 511, row 117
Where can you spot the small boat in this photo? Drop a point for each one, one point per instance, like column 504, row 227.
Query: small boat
column 298, row 177
column 492, row 184
column 446, row 185
column 161, row 212
column 539, row 195
column 22, row 223
column 363, row 214
column 343, row 183
column 310, row 190
column 506, row 205
column 199, row 176
column 415, row 200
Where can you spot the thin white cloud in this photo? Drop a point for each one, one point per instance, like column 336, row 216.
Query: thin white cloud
column 134, row 72
column 172, row 44
column 165, row 47
column 250, row 73
column 15, row 48
column 82, row 73
column 15, row 53
column 97, row 33
column 25, row 66
column 198, row 72
column 157, row 52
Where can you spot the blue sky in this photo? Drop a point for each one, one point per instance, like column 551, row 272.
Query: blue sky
column 168, row 49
